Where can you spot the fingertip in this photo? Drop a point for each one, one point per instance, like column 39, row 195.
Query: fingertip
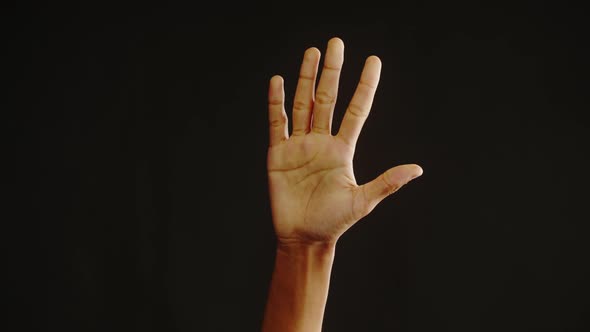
column 276, row 85
column 336, row 42
column 276, row 79
column 373, row 59
column 417, row 171
column 275, row 90
column 312, row 53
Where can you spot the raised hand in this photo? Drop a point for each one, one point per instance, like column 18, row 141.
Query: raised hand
column 313, row 191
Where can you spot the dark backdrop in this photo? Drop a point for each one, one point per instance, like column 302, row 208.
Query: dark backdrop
column 141, row 137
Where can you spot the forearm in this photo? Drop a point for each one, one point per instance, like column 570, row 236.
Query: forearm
column 299, row 288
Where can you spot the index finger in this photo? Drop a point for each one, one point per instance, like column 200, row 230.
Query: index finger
column 361, row 102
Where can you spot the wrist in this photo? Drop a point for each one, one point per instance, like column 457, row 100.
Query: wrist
column 306, row 250
column 299, row 287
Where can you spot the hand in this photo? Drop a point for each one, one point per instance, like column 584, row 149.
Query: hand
column 313, row 191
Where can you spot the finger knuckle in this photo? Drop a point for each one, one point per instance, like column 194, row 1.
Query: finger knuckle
column 357, row 110
column 300, row 105
column 278, row 121
column 325, row 97
column 389, row 187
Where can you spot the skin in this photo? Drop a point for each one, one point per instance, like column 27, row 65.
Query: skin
column 313, row 192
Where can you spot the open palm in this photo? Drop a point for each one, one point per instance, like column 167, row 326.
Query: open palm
column 313, row 191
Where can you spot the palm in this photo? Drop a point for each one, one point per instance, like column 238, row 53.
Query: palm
column 312, row 177
column 314, row 194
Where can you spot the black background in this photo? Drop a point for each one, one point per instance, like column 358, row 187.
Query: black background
column 141, row 135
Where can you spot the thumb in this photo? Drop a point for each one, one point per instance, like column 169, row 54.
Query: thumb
column 388, row 183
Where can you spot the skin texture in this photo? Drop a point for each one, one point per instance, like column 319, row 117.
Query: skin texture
column 314, row 195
